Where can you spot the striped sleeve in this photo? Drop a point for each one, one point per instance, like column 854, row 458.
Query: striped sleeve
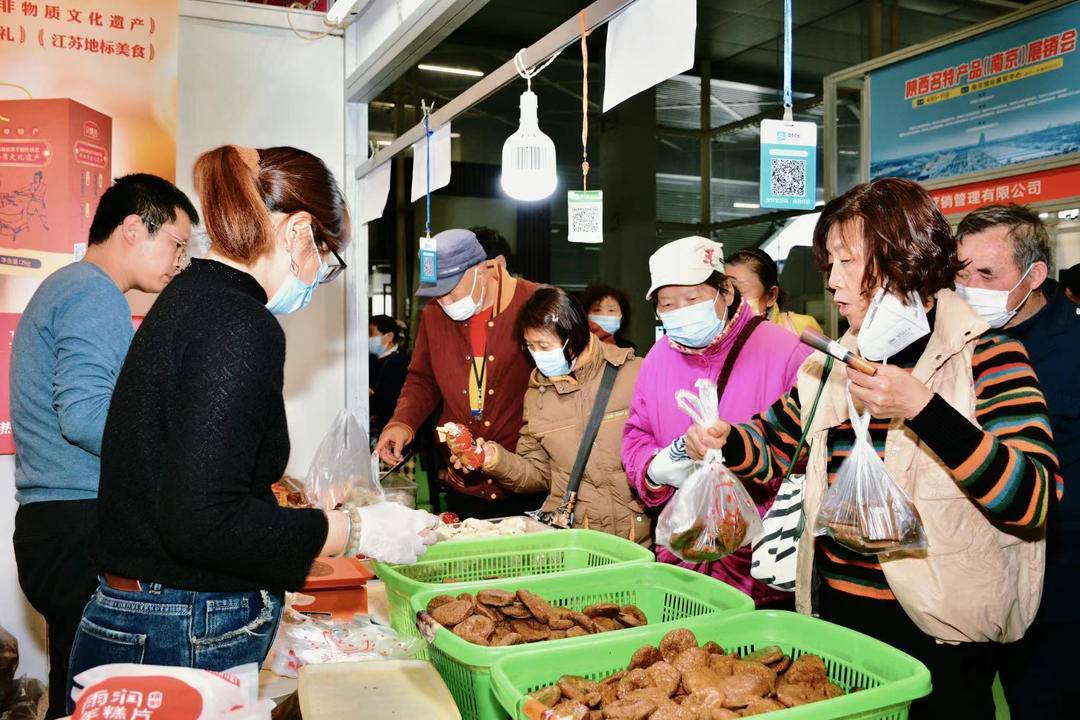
column 1009, row 466
column 761, row 449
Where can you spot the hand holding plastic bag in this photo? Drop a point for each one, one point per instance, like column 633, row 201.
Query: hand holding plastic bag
column 864, row 509
column 711, row 515
column 343, row 468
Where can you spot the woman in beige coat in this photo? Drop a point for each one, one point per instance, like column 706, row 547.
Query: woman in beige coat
column 570, row 365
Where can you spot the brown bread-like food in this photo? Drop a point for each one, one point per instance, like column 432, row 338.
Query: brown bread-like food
column 637, row 709
column 475, row 629
column 516, row 610
column 675, row 642
column 631, row 616
column 608, row 610
column 691, row 659
column 644, row 657
column 497, row 598
column 575, row 687
column 439, row 601
column 664, row 677
column 550, row 695
column 537, row 605
column 568, row 710
column 760, row 706
column 452, row 613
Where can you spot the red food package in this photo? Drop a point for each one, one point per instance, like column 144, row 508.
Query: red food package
column 460, row 441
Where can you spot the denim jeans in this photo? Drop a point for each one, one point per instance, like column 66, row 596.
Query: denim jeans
column 164, row 626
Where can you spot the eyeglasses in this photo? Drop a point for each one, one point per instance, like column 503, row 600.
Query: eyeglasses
column 334, row 268
column 184, row 258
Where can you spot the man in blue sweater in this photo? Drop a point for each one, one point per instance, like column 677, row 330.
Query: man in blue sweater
column 66, row 355
column 1008, row 254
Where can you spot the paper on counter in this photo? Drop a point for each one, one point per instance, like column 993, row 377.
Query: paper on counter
column 647, row 43
column 440, row 162
column 374, row 190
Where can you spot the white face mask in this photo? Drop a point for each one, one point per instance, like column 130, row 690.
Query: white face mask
column 890, row 325
column 993, row 305
column 466, row 307
column 694, row 326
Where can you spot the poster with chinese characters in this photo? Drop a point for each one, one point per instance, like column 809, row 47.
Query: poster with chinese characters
column 87, row 93
column 1008, row 96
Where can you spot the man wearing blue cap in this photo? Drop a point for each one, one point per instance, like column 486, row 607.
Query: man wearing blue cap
column 468, row 358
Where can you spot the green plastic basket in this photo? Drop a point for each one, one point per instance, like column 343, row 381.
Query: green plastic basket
column 502, row 557
column 668, row 595
column 890, row 678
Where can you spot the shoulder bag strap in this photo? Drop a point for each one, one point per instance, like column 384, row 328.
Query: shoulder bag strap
column 733, row 355
column 809, row 420
column 593, row 426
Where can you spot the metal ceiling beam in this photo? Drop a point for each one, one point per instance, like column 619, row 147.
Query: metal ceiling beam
column 596, row 14
column 751, row 120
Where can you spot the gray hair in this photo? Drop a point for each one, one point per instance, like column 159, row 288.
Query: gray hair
column 1030, row 241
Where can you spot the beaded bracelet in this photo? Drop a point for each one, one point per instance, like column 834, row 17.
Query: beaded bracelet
column 352, row 544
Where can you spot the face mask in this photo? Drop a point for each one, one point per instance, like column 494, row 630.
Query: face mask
column 294, row 294
column 608, row 323
column 693, row 326
column 376, row 346
column 993, row 305
column 890, row 325
column 466, row 307
column 552, row 363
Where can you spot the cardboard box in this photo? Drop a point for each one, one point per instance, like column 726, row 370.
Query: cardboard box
column 55, row 162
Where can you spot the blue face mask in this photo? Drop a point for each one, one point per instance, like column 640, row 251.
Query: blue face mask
column 294, row 294
column 552, row 363
column 608, row 323
column 693, row 326
column 375, row 345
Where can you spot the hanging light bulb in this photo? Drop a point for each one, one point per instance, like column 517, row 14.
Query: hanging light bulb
column 528, row 157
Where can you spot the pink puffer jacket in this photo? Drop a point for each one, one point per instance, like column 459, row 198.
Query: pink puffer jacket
column 764, row 371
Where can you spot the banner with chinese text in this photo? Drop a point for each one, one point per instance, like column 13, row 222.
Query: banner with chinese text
column 87, row 93
column 1034, row 187
column 1004, row 97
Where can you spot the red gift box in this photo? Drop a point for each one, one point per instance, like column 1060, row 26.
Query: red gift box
column 55, row 162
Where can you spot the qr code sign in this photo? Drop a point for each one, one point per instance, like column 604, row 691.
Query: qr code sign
column 787, row 178
column 585, row 219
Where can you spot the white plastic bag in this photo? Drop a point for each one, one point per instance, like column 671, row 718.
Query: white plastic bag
column 864, row 509
column 712, row 514
column 308, row 640
column 343, row 468
column 177, row 693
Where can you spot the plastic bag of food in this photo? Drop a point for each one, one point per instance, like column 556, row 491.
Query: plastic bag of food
column 343, row 468
column 177, row 693
column 460, row 442
column 712, row 514
column 864, row 509
column 306, row 640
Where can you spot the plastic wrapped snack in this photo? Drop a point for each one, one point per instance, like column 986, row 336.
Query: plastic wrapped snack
column 712, row 514
column 864, row 509
column 344, row 468
column 460, row 441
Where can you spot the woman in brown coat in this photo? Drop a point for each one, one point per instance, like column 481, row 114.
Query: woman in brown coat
column 570, row 364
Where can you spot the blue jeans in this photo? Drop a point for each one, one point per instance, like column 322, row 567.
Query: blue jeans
column 164, row 626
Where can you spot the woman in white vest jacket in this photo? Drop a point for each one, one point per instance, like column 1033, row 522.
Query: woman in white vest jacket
column 960, row 421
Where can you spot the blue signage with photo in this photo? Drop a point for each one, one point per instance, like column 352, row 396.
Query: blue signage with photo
column 1004, row 97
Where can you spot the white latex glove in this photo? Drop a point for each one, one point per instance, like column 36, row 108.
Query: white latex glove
column 671, row 466
column 393, row 533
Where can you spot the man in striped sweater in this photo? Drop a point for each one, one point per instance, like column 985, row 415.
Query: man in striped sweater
column 961, row 423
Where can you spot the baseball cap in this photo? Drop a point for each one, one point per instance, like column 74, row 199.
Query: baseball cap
column 455, row 252
column 686, row 261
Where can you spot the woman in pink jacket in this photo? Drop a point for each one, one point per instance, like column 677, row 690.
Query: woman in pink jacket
column 711, row 333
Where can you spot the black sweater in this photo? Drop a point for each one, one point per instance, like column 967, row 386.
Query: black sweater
column 196, row 435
